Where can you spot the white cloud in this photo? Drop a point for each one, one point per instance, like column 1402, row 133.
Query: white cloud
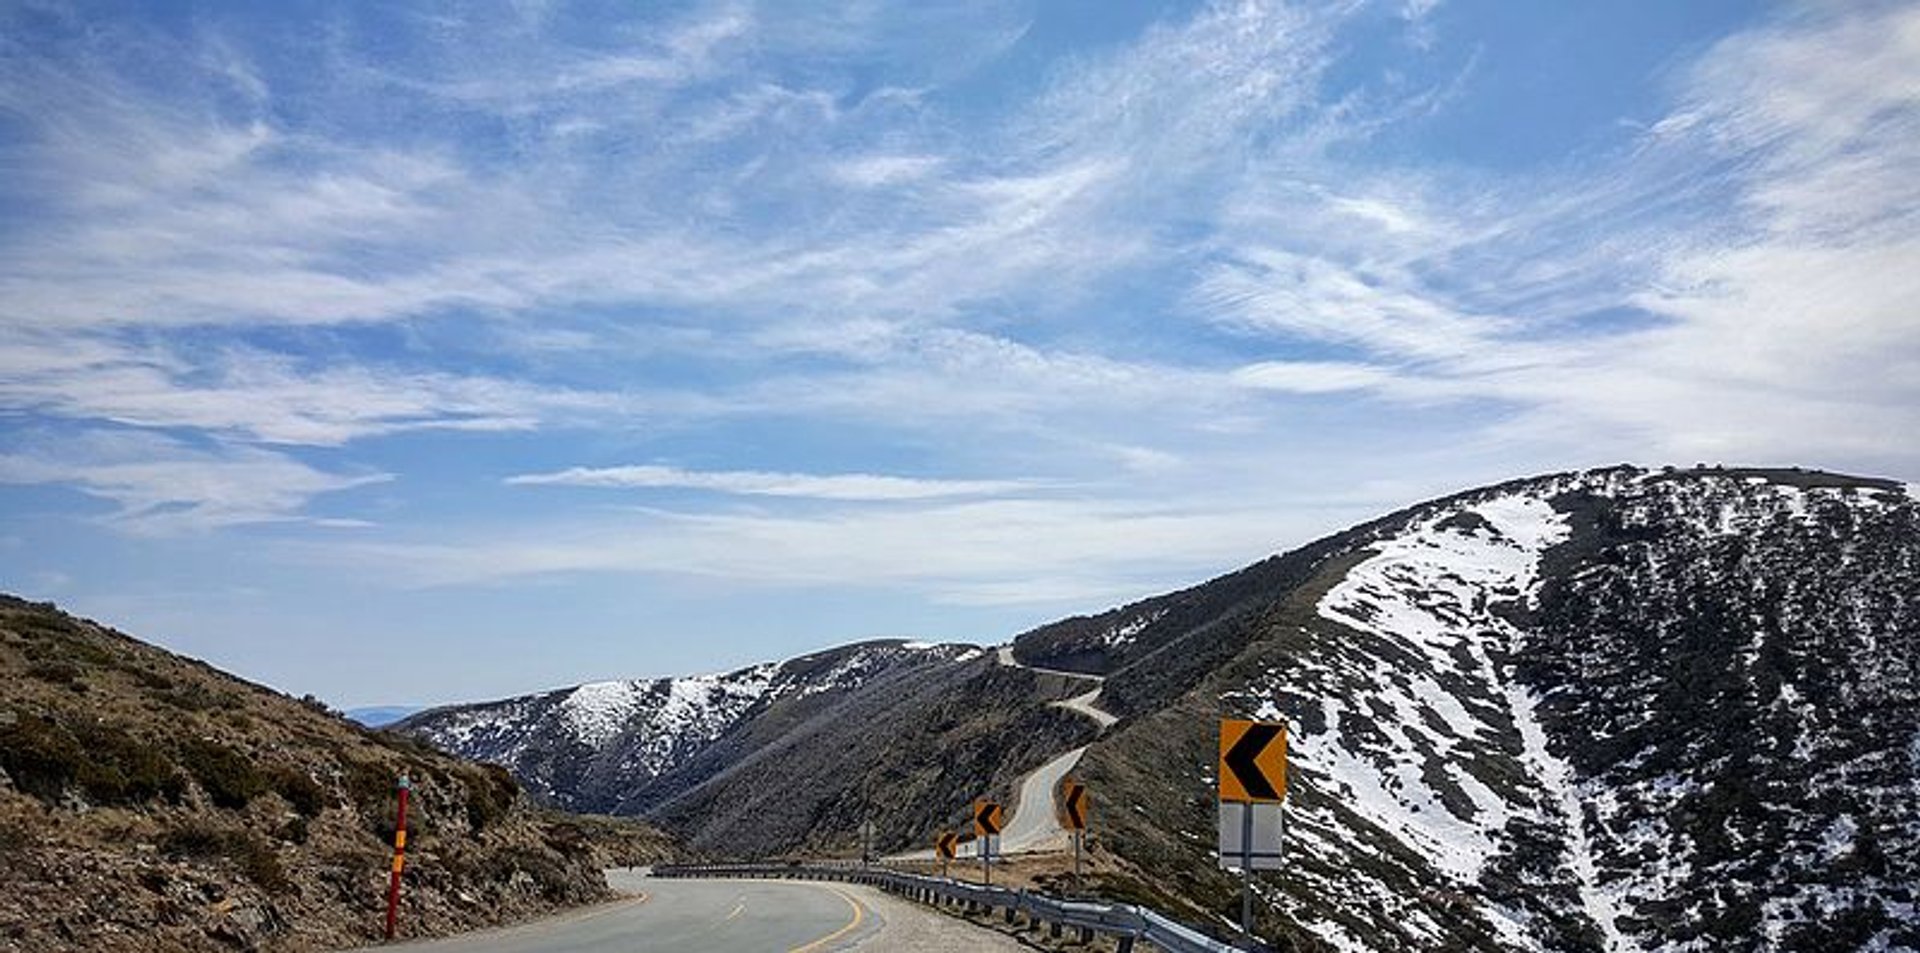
column 847, row 486
column 260, row 396
column 877, row 170
column 1312, row 377
column 162, row 486
column 969, row 552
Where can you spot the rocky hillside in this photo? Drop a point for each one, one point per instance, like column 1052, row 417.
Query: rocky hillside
column 780, row 757
column 1616, row 710
column 150, row 802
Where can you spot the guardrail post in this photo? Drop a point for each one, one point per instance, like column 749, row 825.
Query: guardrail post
column 1086, row 934
column 1053, row 930
column 1126, row 945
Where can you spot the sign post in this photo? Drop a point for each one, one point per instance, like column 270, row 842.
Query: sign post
column 866, row 843
column 1253, row 792
column 1075, row 806
column 987, row 820
column 399, row 859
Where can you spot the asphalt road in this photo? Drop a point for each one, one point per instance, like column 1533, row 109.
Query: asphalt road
column 1034, row 825
column 722, row 916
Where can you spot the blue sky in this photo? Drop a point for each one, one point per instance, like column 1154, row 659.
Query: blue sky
column 417, row 352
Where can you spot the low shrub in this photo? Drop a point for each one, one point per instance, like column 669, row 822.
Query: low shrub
column 120, row 769
column 58, row 673
column 250, row 855
column 41, row 757
column 491, row 792
column 228, row 777
column 195, row 696
column 15, row 836
column 301, row 791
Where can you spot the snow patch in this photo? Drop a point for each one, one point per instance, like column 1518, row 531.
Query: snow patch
column 1122, row 634
column 1431, row 590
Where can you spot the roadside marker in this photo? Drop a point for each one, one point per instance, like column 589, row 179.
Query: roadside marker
column 1253, row 761
column 988, row 818
column 946, row 845
column 1253, row 793
column 399, row 859
column 1076, row 805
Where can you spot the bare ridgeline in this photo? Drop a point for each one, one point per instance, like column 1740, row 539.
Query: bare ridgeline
column 1618, row 709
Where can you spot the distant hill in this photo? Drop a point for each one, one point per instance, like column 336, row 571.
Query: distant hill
column 1615, row 710
column 380, row 716
column 780, row 757
column 149, row 802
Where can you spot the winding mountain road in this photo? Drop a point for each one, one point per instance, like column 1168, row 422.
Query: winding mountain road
column 1034, row 827
column 731, row 916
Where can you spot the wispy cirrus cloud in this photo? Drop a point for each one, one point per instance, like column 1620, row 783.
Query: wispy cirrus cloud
column 866, row 487
column 1125, row 302
column 161, row 486
column 254, row 395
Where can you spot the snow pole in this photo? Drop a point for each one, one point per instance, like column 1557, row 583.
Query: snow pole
column 399, row 860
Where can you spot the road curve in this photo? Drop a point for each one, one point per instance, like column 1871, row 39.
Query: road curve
column 732, row 916
column 725, row 916
column 1034, row 826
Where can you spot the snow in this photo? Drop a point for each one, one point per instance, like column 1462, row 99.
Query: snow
column 1429, row 590
column 596, row 711
column 1122, row 634
column 1838, row 839
column 1601, row 906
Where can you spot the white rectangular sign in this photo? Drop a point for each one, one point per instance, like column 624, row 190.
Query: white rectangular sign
column 1263, row 849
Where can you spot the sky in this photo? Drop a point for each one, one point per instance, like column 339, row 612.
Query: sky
column 415, row 353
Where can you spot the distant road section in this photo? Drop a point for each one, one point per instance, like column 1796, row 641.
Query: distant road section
column 731, row 916
column 1034, row 827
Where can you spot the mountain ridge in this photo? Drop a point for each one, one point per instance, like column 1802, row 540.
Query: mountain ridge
column 1451, row 783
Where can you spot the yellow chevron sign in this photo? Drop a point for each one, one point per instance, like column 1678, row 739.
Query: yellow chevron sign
column 947, row 844
column 988, row 817
column 1253, row 761
column 1076, row 805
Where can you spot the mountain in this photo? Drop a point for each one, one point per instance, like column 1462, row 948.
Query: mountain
column 150, row 802
column 379, row 716
column 1618, row 709
column 779, row 757
column 1613, row 710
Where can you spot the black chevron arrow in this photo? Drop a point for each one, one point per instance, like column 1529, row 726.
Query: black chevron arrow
column 986, row 819
column 1241, row 760
column 1076, row 805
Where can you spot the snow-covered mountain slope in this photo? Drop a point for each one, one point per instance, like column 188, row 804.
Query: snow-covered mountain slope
column 589, row 747
column 1618, row 710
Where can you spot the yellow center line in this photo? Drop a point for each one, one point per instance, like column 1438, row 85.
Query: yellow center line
column 859, row 915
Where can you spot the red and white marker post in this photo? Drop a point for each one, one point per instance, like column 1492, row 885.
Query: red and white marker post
column 399, row 860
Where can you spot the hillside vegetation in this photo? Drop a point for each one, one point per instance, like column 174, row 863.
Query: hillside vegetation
column 150, row 802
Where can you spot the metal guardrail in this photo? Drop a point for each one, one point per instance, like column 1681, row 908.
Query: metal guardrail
column 1123, row 922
